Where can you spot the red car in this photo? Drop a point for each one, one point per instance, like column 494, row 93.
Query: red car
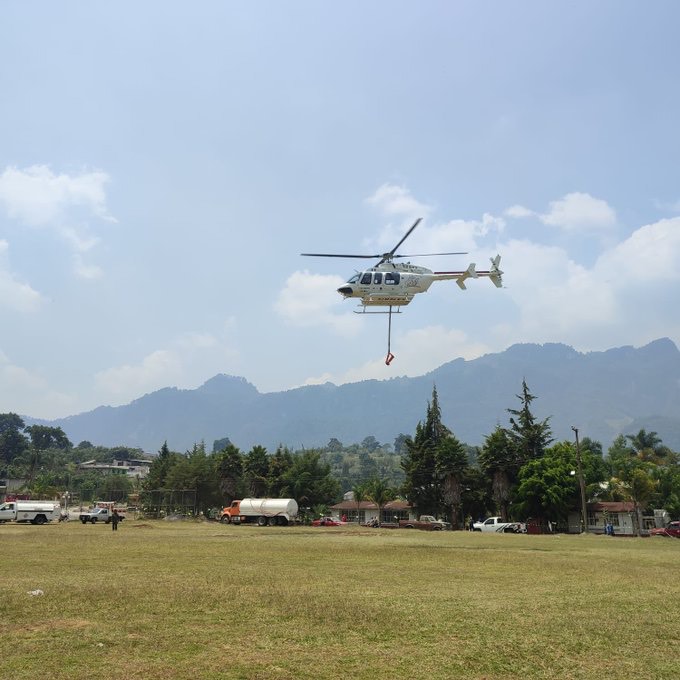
column 673, row 529
column 326, row 522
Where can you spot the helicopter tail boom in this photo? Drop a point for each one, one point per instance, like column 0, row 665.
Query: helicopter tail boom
column 494, row 273
column 469, row 273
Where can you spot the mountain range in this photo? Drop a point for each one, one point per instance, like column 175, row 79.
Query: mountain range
column 603, row 394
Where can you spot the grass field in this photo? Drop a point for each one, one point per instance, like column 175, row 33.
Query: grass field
column 192, row 600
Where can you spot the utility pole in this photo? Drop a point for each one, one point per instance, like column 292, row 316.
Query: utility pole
column 581, row 482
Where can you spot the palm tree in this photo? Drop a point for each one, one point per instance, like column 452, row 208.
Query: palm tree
column 378, row 491
column 498, row 460
column 359, row 495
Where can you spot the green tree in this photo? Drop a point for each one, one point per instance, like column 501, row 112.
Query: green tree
column 45, row 437
column 546, row 487
column 279, row 464
column 12, row 440
column 528, row 436
column 115, row 487
column 370, row 443
column 450, row 464
column 230, row 470
column 160, row 468
column 648, row 447
column 256, row 468
column 421, row 485
column 220, row 444
column 400, row 444
column 378, row 491
column 645, row 471
column 642, row 487
column 498, row 461
column 667, row 489
column 359, row 495
column 309, row 481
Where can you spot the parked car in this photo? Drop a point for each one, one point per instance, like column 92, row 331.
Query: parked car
column 673, row 529
column 326, row 522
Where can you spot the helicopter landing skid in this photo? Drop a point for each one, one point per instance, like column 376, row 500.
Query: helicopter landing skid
column 363, row 311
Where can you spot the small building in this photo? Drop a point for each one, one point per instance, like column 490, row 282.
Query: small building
column 10, row 487
column 366, row 511
column 620, row 514
column 132, row 468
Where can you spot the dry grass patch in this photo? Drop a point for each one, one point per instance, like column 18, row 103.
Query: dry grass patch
column 190, row 600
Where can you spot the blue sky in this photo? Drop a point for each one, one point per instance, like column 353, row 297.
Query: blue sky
column 163, row 164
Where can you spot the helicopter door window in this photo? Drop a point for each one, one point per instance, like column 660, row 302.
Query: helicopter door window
column 377, row 278
column 366, row 278
column 391, row 278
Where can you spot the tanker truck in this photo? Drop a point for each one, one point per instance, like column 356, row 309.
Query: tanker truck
column 262, row 511
column 35, row 512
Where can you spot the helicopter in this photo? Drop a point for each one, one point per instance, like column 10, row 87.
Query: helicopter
column 394, row 284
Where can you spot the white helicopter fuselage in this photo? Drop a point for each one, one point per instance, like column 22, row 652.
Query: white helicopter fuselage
column 395, row 285
column 388, row 284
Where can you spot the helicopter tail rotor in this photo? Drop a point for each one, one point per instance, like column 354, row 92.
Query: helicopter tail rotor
column 495, row 274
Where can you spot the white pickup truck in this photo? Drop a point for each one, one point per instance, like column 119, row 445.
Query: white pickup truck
column 497, row 525
column 98, row 515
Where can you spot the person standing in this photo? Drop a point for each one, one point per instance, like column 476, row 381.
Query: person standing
column 115, row 518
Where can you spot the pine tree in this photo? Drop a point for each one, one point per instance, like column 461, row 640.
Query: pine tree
column 528, row 436
column 422, row 487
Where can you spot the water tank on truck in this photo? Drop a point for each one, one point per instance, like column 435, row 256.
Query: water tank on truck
column 262, row 511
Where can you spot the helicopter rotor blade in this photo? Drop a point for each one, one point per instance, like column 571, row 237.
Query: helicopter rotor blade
column 367, row 257
column 427, row 254
column 390, row 255
column 384, row 257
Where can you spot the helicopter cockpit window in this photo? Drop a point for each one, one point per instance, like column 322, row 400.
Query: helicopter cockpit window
column 353, row 279
column 377, row 278
column 366, row 278
column 391, row 278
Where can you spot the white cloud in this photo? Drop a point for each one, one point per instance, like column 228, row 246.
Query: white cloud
column 14, row 294
column 626, row 297
column 158, row 369
column 197, row 341
column 580, row 212
column 519, row 211
column 556, row 297
column 188, row 361
column 453, row 236
column 650, row 254
column 395, row 200
column 574, row 212
column 80, row 244
column 24, row 391
column 38, row 197
column 312, row 300
column 86, row 271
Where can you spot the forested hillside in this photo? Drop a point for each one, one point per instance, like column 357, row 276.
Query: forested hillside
column 605, row 393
